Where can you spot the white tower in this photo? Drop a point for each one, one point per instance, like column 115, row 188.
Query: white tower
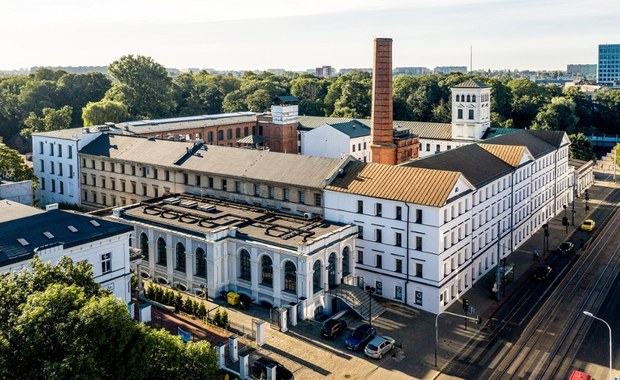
column 471, row 110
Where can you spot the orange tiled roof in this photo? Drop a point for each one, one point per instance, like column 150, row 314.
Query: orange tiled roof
column 510, row 154
column 416, row 185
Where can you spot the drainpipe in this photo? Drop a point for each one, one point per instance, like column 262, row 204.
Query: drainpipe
column 512, row 210
column 407, row 254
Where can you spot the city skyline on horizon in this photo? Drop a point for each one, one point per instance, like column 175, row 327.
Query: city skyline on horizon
column 242, row 35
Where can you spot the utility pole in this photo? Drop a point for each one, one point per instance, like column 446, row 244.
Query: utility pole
column 574, row 196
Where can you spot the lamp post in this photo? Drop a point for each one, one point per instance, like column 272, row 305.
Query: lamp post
column 587, row 313
column 477, row 320
column 370, row 290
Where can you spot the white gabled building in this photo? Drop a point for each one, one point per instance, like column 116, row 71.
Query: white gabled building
column 26, row 231
column 433, row 227
column 337, row 140
column 57, row 166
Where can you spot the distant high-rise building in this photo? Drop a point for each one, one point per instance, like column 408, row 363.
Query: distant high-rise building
column 585, row 70
column 450, row 69
column 411, row 71
column 324, row 71
column 609, row 64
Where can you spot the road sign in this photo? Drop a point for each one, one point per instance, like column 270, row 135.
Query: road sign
column 471, row 310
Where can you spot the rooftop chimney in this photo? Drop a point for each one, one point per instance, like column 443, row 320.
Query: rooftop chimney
column 382, row 147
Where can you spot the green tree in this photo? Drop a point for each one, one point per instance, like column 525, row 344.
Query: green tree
column 52, row 120
column 143, row 85
column 584, row 107
column 607, row 119
column 98, row 113
column 559, row 115
column 527, row 100
column 581, row 147
column 259, row 101
column 12, row 165
column 234, row 102
column 77, row 90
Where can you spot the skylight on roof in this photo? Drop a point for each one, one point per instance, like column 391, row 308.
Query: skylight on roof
column 23, row 242
column 95, row 223
column 72, row 229
column 48, row 235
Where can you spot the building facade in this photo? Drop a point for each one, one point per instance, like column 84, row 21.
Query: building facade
column 206, row 245
column 609, row 64
column 52, row 234
column 21, row 191
column 338, row 140
column 450, row 222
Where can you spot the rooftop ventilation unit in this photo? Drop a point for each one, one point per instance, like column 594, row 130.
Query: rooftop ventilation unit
column 308, row 215
column 172, row 201
column 188, row 204
column 206, row 207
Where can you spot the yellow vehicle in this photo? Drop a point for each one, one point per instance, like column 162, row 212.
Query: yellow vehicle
column 588, row 225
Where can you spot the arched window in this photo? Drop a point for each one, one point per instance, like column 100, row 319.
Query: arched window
column 331, row 268
column 180, row 257
column 201, row 263
column 458, row 97
column 267, row 271
column 245, row 265
column 316, row 277
column 144, row 246
column 346, row 253
column 468, row 97
column 260, row 130
column 473, row 98
column 290, row 277
column 161, row 252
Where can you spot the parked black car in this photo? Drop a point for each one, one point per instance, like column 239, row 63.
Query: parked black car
column 358, row 338
column 333, row 328
column 259, row 369
column 543, row 272
column 566, row 247
column 244, row 301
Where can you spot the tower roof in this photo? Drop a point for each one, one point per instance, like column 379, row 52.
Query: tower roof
column 471, row 83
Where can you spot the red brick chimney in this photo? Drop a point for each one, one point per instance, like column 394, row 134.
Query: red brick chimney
column 383, row 148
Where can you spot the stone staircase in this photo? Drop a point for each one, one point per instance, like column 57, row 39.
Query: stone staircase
column 358, row 300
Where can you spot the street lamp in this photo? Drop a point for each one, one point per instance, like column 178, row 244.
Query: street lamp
column 370, row 290
column 587, row 313
column 478, row 321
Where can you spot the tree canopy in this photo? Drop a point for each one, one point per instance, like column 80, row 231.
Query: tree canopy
column 581, row 147
column 12, row 165
column 57, row 323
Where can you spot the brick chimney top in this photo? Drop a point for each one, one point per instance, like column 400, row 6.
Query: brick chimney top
column 383, row 148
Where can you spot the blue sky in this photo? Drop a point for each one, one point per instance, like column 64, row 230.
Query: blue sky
column 297, row 35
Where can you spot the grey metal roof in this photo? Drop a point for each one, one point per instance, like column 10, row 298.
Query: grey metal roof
column 471, row 83
column 535, row 141
column 475, row 163
column 68, row 134
column 352, row 128
column 437, row 131
column 260, row 165
column 168, row 125
column 29, row 224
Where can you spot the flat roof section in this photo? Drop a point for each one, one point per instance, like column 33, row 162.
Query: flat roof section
column 197, row 216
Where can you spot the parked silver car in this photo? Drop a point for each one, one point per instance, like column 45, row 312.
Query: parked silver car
column 379, row 346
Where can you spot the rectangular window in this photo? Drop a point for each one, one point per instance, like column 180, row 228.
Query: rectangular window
column 123, row 186
column 398, row 292
column 245, row 131
column 286, row 197
column 438, row 148
column 378, row 235
column 155, row 191
column 418, row 297
column 418, row 216
column 210, row 137
column 428, row 147
column 70, row 171
column 399, row 265
column 399, row 239
column 229, row 134
column 167, row 174
column 317, row 199
column 270, row 192
column 93, row 178
column 85, row 196
column 60, row 168
column 378, row 209
column 155, row 173
column 418, row 270
column 418, row 243
column 133, row 170
column 471, row 115
column 360, row 232
column 122, row 168
column 211, row 182
column 103, row 200
column 102, row 182
column 237, row 187
column 106, row 262
column 52, row 167
column 379, row 261
column 102, row 166
column 399, row 213
column 360, row 257
column 113, row 183
column 133, row 188
column 144, row 190
column 238, row 132
column 224, row 185
column 360, row 207
column 41, row 147
column 186, row 178
column 112, row 167
column 197, row 179
column 42, row 181
column 51, row 149
column 256, row 190
column 459, row 114
column 42, row 164
column 353, row 148
column 302, row 197
column 70, row 152
column 59, row 150
column 84, row 179
column 379, row 287
column 220, row 135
